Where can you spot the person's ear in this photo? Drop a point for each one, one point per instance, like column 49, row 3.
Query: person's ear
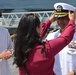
column 38, row 30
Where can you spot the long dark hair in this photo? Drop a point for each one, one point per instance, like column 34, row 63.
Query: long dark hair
column 26, row 38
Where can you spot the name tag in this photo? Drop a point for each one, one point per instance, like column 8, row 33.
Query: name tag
column 72, row 48
column 72, row 45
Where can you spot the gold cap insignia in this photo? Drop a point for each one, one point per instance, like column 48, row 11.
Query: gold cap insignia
column 59, row 8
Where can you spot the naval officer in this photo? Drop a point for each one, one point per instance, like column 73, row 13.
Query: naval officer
column 65, row 60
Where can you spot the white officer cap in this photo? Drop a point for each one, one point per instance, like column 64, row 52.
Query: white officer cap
column 62, row 9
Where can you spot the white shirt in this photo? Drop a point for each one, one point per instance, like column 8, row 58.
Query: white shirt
column 5, row 43
column 65, row 61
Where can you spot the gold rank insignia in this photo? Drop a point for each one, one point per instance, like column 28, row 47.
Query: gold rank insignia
column 72, row 47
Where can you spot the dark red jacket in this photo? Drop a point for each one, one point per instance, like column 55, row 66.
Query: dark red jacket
column 37, row 63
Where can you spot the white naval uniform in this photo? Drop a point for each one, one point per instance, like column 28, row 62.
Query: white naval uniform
column 5, row 43
column 65, row 61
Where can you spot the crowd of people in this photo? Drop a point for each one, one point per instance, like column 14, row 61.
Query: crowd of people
column 34, row 56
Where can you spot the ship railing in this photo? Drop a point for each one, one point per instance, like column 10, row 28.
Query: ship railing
column 11, row 20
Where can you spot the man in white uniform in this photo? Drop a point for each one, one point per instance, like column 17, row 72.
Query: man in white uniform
column 65, row 60
column 5, row 51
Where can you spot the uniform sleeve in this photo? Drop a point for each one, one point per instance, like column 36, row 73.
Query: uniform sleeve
column 55, row 45
column 44, row 27
column 21, row 71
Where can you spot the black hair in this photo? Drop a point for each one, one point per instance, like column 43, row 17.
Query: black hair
column 26, row 37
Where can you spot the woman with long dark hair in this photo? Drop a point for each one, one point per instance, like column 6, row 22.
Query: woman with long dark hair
column 31, row 55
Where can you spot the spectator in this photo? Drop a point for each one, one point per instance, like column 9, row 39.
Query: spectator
column 5, row 51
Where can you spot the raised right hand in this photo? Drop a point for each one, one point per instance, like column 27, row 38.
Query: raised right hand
column 71, row 15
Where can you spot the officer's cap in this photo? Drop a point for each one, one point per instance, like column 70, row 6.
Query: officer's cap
column 62, row 9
